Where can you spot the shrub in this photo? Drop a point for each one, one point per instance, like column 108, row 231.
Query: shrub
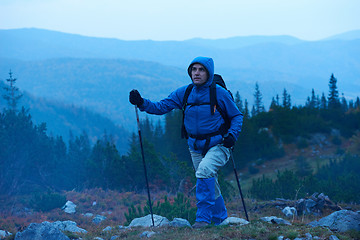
column 181, row 207
column 47, row 201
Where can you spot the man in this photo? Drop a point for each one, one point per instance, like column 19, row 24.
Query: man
column 209, row 143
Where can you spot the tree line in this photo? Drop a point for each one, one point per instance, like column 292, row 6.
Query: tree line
column 30, row 160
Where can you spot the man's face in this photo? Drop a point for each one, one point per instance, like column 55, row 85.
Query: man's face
column 199, row 74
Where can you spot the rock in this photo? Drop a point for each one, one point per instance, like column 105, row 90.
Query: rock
column 275, row 220
column 98, row 238
column 289, row 211
column 333, row 237
column 180, row 222
column 234, row 221
column 123, row 227
column 98, row 219
column 114, row 237
column 68, row 226
column 43, row 230
column 69, row 207
column 315, row 204
column 147, row 221
column 4, row 234
column 340, row 221
column 107, row 229
column 89, row 215
column 147, row 234
column 308, row 236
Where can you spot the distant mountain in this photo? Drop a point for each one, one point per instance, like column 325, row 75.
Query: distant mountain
column 240, row 42
column 351, row 35
column 280, row 58
column 61, row 119
column 98, row 73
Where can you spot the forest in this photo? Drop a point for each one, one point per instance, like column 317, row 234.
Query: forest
column 32, row 161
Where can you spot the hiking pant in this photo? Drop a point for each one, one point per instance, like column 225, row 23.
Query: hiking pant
column 210, row 203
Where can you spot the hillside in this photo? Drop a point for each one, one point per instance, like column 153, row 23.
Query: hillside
column 61, row 119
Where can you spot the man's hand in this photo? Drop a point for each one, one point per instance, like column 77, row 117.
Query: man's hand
column 229, row 141
column 135, row 98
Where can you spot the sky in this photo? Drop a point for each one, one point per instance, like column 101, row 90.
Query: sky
column 184, row 19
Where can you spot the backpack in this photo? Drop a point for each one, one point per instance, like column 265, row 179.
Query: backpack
column 213, row 106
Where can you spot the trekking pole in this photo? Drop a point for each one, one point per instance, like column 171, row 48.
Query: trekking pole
column 238, row 183
column 143, row 158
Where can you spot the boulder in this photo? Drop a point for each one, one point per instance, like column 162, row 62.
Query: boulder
column 234, row 221
column 289, row 211
column 315, row 204
column 4, row 234
column 275, row 220
column 147, row 234
column 98, row 219
column 69, row 207
column 43, row 230
column 88, row 215
column 68, row 226
column 340, row 221
column 179, row 222
column 107, row 229
column 147, row 221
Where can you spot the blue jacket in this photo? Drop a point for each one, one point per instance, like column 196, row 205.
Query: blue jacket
column 198, row 119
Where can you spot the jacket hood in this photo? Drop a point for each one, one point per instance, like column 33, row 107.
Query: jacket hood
column 208, row 63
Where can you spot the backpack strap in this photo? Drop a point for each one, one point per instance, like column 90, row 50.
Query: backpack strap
column 215, row 106
column 184, row 134
column 213, row 99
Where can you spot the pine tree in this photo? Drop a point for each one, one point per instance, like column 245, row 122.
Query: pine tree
column 323, row 102
column 258, row 104
column 12, row 94
column 344, row 105
column 333, row 98
column 357, row 103
column 238, row 101
column 286, row 100
column 273, row 104
column 312, row 102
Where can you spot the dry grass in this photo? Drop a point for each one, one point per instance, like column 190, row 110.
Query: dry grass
column 113, row 205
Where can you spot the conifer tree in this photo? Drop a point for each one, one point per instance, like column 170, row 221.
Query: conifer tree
column 344, row 105
column 312, row 102
column 246, row 109
column 357, row 103
column 333, row 98
column 323, row 102
column 286, row 100
column 258, row 104
column 12, row 94
column 238, row 101
column 273, row 104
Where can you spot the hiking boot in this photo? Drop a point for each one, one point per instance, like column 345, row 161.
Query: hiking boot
column 200, row 224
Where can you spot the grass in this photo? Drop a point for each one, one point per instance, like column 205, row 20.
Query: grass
column 117, row 203
column 16, row 213
column 255, row 230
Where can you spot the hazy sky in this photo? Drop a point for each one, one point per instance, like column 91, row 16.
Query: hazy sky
column 184, row 19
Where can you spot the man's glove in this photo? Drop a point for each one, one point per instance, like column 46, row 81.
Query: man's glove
column 135, row 98
column 229, row 141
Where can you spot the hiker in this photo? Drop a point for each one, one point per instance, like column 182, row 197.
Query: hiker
column 208, row 138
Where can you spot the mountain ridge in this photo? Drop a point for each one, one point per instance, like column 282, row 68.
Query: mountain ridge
column 97, row 73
